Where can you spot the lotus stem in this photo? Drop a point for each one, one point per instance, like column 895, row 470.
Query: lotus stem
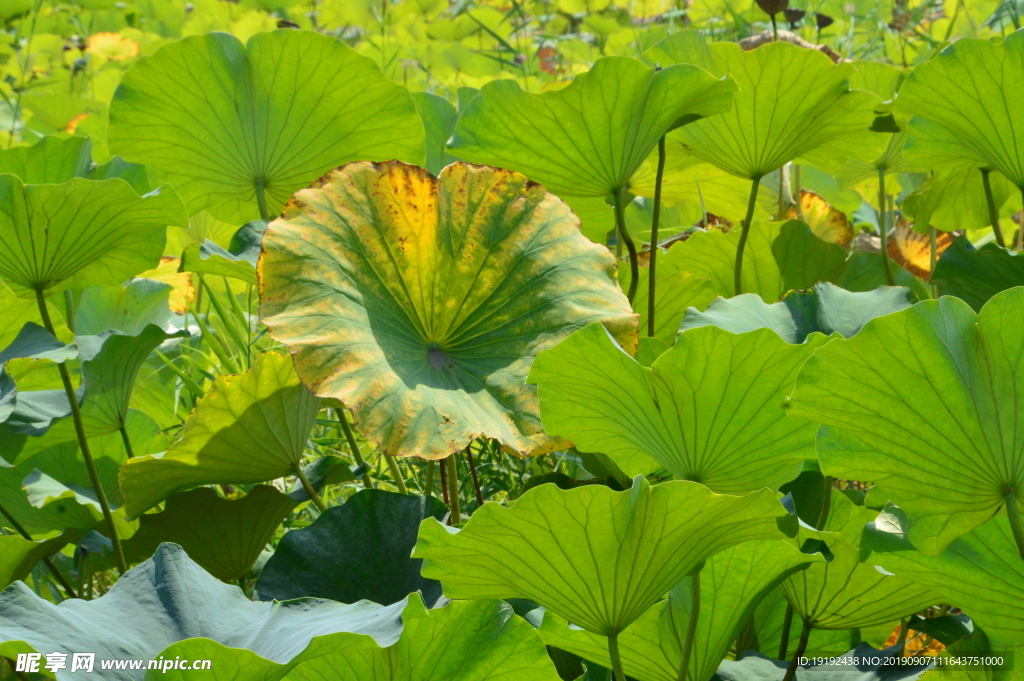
column 801, row 648
column 787, row 626
column 69, row 309
column 901, row 639
column 751, row 204
column 616, row 659
column 444, row 483
column 775, row 29
column 883, row 227
column 453, row 491
column 476, row 480
column 396, row 473
column 261, row 199
column 1016, row 526
column 655, row 223
column 350, row 436
column 620, row 225
column 127, row 442
column 826, row 504
column 933, row 260
column 83, row 442
column 797, row 187
column 993, row 212
column 691, row 627
column 429, row 483
column 314, row 497
column 17, row 527
column 782, row 194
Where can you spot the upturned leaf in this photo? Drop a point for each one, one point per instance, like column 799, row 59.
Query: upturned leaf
column 966, row 105
column 791, row 101
column 249, row 427
column 640, row 543
column 359, row 550
column 588, row 138
column 976, row 274
column 733, row 582
column 825, row 309
column 18, row 556
column 921, row 402
column 224, row 122
column 170, row 598
column 81, row 233
column 431, row 299
column 463, row 641
column 711, row 409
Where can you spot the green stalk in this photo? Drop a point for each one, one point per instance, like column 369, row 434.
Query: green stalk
column 235, row 334
column 1016, row 526
column 883, row 227
column 932, row 260
column 396, row 473
column 796, row 192
column 429, row 485
column 214, row 342
column 476, row 480
column 801, row 648
column 185, row 378
column 317, row 500
column 787, row 626
column 901, row 639
column 751, row 204
column 83, row 442
column 775, row 30
column 655, row 223
column 17, row 527
column 616, row 659
column 993, row 212
column 691, row 627
column 350, row 436
column 69, row 309
column 620, row 225
column 261, row 199
column 453, row 490
column 127, row 442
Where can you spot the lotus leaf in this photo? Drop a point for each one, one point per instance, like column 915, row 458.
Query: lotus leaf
column 359, row 550
column 825, row 309
column 464, row 641
column 733, row 582
column 170, row 598
column 251, row 427
column 640, row 543
column 711, row 409
column 863, row 663
column 238, row 128
column 431, row 298
column 81, row 233
column 18, row 556
column 976, row 274
column 920, row 401
column 590, row 137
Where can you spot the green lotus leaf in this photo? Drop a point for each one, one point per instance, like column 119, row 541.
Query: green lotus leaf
column 234, row 126
column 640, row 543
column 250, row 427
column 8, row 394
column 588, row 138
column 51, row 160
column 888, row 395
column 774, row 118
column 967, row 92
column 35, row 342
column 825, row 309
column 980, row 572
column 237, row 261
column 463, row 641
column 866, row 272
column 81, row 233
column 711, row 409
column 224, row 537
column 976, row 274
column 955, row 199
column 848, row 592
column 19, row 311
column 778, row 257
column 170, row 598
column 359, row 550
column 439, row 117
column 769, row 621
column 52, row 491
column 128, row 308
column 18, row 556
column 733, row 582
column 676, row 291
column 432, row 297
column 863, row 663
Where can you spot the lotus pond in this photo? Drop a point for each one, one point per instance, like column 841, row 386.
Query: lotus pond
column 512, row 340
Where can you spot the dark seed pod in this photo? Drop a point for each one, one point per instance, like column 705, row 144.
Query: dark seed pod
column 793, row 16
column 823, row 20
column 773, row 7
